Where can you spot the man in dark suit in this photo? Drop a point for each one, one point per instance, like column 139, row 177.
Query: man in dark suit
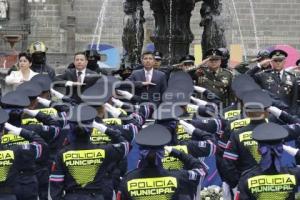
column 149, row 83
column 78, row 79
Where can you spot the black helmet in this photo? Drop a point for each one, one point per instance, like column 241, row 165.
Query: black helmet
column 225, row 53
column 263, row 54
column 92, row 54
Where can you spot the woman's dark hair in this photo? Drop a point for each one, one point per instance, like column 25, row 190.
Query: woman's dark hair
column 26, row 55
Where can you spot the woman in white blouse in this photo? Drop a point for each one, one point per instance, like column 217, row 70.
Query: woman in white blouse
column 23, row 74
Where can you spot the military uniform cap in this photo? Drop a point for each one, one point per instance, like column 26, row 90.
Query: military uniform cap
column 153, row 136
column 42, row 80
column 180, row 79
column 82, row 113
column 241, row 80
column 3, row 116
column 167, row 111
column 242, row 84
column 269, row 132
column 97, row 94
column 180, row 88
column 30, row 89
column 213, row 53
column 256, row 99
column 263, row 54
column 187, row 59
column 15, row 99
column 158, row 55
column 298, row 62
column 278, row 53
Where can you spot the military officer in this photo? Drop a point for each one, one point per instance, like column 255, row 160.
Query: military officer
column 277, row 80
column 215, row 78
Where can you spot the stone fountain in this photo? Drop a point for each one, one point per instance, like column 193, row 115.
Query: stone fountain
column 172, row 33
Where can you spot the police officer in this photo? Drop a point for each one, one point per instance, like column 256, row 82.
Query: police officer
column 241, row 151
column 81, row 168
column 18, row 180
column 277, row 80
column 215, row 78
column 35, row 120
column 38, row 50
column 93, row 58
column 150, row 180
column 158, row 59
column 225, row 57
column 262, row 182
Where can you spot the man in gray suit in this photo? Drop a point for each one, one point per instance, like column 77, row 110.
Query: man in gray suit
column 149, row 83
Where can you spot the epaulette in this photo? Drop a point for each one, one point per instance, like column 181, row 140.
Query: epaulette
column 227, row 70
column 290, row 73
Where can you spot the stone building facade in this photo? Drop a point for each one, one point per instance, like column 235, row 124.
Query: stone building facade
column 67, row 26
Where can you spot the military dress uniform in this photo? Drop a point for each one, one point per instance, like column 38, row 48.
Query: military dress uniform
column 282, row 84
column 217, row 82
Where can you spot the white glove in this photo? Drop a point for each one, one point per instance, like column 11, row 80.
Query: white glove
column 71, row 83
column 125, row 94
column 112, row 110
column 12, row 129
column 100, row 127
column 117, row 102
column 189, row 128
column 44, row 102
column 199, row 102
column 290, row 150
column 32, row 113
column 57, row 94
column 275, row 111
column 168, row 149
column 199, row 89
column 192, row 106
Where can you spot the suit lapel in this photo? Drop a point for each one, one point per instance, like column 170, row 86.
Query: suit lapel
column 143, row 75
column 74, row 75
column 153, row 76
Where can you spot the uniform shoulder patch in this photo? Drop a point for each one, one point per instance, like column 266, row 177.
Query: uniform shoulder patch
column 290, row 73
column 227, row 71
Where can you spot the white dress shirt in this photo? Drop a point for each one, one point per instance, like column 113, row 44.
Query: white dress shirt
column 82, row 76
column 148, row 75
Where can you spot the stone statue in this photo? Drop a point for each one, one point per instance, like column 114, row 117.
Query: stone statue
column 133, row 32
column 3, row 9
column 213, row 25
